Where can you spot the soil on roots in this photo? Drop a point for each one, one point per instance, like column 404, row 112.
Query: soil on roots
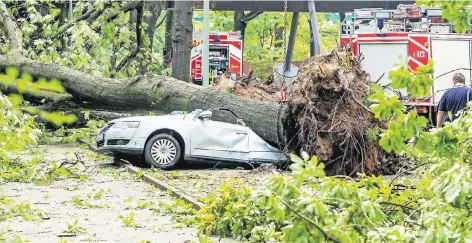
column 327, row 117
column 249, row 87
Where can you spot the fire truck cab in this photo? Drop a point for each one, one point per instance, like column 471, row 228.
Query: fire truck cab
column 412, row 33
column 225, row 55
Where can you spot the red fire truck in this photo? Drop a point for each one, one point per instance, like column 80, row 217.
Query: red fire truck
column 225, row 55
column 412, row 33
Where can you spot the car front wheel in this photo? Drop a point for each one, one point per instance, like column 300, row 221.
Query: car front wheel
column 162, row 151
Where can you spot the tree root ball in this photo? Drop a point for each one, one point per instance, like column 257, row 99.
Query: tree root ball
column 326, row 116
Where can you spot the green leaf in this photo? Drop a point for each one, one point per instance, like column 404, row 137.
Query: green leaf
column 12, row 72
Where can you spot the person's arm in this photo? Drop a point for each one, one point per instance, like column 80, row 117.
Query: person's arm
column 441, row 111
column 440, row 118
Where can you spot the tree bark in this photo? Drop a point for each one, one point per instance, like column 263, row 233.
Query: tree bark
column 11, row 30
column 168, row 38
column 182, row 40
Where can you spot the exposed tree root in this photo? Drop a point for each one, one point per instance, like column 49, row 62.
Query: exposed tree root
column 327, row 117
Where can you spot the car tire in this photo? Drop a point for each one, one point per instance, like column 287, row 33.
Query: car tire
column 135, row 160
column 162, row 151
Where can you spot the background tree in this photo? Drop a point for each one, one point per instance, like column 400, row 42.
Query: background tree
column 168, row 37
column 182, row 42
column 241, row 20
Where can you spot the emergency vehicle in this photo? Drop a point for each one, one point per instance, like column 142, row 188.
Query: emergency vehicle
column 225, row 55
column 413, row 33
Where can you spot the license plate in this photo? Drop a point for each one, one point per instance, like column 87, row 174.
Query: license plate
column 99, row 137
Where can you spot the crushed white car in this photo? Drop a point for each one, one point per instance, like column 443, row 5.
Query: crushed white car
column 164, row 141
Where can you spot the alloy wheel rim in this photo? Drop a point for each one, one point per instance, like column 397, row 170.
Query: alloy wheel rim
column 163, row 151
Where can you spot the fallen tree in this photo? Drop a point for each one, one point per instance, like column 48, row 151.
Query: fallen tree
column 158, row 93
column 307, row 122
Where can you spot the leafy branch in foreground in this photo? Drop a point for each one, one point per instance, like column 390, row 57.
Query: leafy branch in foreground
column 24, row 83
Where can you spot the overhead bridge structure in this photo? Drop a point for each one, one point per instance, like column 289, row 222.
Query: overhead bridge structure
column 332, row 6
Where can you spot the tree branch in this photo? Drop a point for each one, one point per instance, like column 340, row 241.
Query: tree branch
column 398, row 205
column 161, row 21
column 68, row 26
column 250, row 16
column 326, row 236
column 10, row 29
column 139, row 39
column 126, row 8
column 97, row 14
column 90, row 16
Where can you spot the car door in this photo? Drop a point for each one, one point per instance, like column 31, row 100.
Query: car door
column 219, row 140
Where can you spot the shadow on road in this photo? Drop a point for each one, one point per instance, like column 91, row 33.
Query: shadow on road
column 200, row 165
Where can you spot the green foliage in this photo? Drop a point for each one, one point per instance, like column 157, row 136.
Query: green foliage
column 82, row 203
column 229, row 211
column 74, row 228
column 401, row 126
column 180, row 211
column 25, row 85
column 10, row 209
column 85, row 134
column 141, row 204
column 418, row 85
column 129, row 221
column 96, row 48
column 457, row 12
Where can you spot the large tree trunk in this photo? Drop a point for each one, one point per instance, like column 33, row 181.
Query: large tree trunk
column 182, row 40
column 158, row 93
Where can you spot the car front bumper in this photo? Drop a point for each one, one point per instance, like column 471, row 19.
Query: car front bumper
column 109, row 143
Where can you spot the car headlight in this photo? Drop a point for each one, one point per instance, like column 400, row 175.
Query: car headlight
column 126, row 124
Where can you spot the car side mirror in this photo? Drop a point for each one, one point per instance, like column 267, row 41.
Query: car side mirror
column 205, row 115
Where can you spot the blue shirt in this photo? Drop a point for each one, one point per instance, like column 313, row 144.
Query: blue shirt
column 454, row 100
